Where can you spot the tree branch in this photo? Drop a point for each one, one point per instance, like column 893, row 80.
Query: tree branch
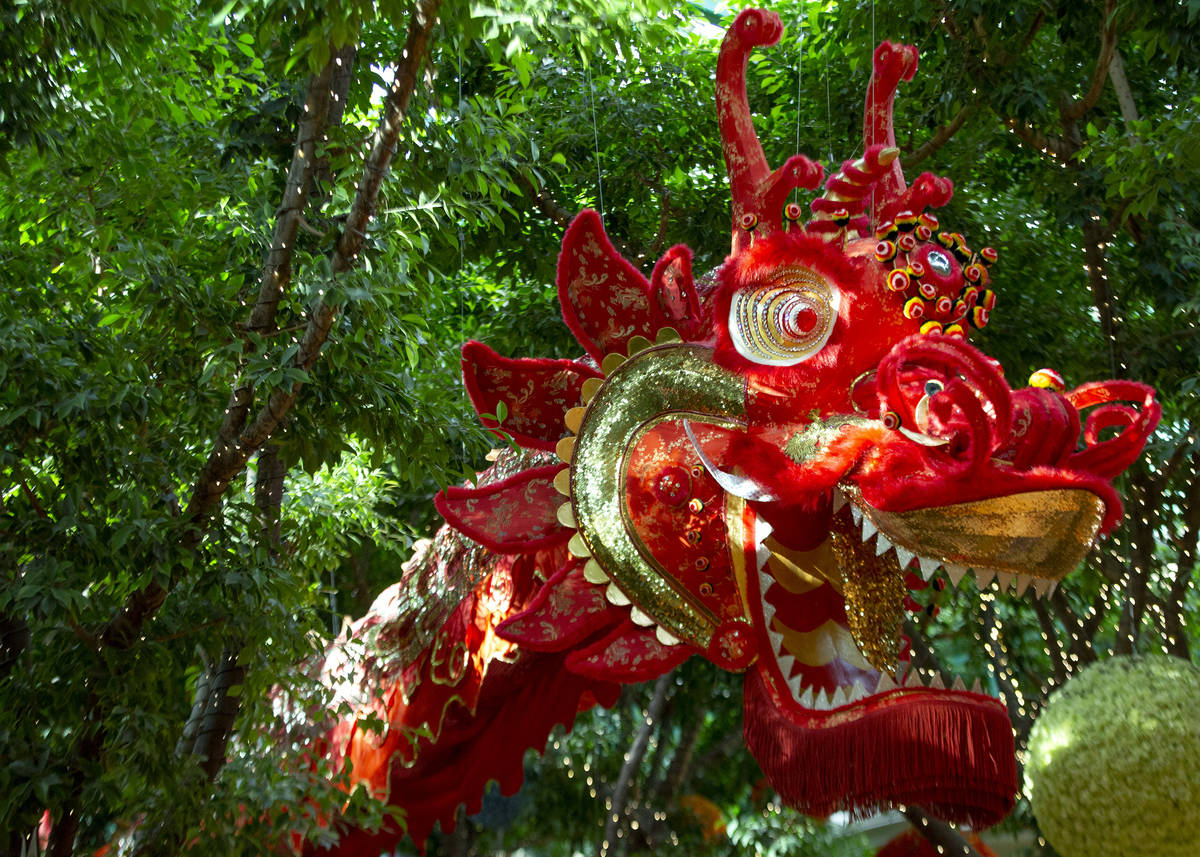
column 233, row 448
column 939, row 138
column 633, row 760
column 941, row 835
column 1058, row 658
column 1108, row 42
column 550, row 207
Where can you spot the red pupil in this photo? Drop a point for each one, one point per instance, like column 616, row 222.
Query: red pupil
column 803, row 320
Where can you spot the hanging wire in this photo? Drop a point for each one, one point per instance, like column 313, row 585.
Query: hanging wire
column 462, row 290
column 871, row 101
column 799, row 83
column 596, row 139
column 828, row 106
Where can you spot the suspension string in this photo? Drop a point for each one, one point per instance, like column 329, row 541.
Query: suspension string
column 462, row 289
column 596, row 139
column 799, row 84
column 871, row 100
column 828, row 107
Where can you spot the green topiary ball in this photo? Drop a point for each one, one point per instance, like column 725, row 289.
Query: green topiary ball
column 1114, row 760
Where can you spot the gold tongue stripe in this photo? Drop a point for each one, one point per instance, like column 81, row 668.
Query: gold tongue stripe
column 803, row 571
column 820, row 646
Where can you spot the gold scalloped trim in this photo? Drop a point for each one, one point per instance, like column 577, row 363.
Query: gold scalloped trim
column 573, row 419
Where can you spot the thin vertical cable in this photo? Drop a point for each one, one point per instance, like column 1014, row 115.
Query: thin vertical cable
column 799, row 84
column 596, row 138
column 462, row 291
column 828, row 107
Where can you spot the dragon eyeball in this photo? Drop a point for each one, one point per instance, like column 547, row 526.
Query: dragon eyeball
column 786, row 320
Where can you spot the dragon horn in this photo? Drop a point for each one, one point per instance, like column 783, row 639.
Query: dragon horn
column 846, row 190
column 892, row 63
column 756, row 192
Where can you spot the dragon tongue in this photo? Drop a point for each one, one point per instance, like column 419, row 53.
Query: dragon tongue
column 874, row 590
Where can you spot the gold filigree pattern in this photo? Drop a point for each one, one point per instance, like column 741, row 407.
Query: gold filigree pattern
column 667, row 378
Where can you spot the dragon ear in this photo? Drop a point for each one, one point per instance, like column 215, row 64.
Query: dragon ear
column 675, row 292
column 605, row 300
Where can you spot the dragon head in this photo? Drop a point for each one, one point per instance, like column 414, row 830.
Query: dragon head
column 763, row 463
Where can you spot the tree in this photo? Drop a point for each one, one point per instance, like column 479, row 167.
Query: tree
column 154, row 194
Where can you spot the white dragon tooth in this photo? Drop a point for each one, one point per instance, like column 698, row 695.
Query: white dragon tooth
column 976, row 687
column 913, row 679
column 868, row 528
column 1023, row 581
column 882, row 546
column 936, row 682
column 928, row 567
column 786, row 662
column 821, row 701
column 768, row 613
column 838, row 699
column 839, row 500
column 1004, row 579
column 857, row 692
column 794, row 686
column 984, row 576
column 856, row 513
column 806, row 698
column 904, row 555
column 761, row 554
column 886, row 683
column 776, row 640
column 762, row 530
column 1050, row 591
column 958, row 684
column 955, row 572
column 765, row 582
column 1041, row 585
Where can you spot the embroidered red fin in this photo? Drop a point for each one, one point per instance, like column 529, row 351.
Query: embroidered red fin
column 536, row 393
column 605, row 300
column 566, row 611
column 515, row 515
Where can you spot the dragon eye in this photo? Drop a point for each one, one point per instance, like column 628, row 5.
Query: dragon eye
column 785, row 320
column 932, row 387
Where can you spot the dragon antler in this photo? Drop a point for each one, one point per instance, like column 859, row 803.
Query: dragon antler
column 757, row 193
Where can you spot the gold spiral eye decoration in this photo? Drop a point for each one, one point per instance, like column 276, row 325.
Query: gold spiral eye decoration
column 786, row 320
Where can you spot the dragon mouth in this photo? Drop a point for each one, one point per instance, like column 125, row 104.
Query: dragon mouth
column 815, row 662
column 1024, row 542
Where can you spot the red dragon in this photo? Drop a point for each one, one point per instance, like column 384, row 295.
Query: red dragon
column 755, row 467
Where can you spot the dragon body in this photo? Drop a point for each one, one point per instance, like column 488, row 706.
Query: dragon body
column 754, row 467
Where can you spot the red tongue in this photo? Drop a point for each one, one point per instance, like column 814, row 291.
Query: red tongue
column 950, row 753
